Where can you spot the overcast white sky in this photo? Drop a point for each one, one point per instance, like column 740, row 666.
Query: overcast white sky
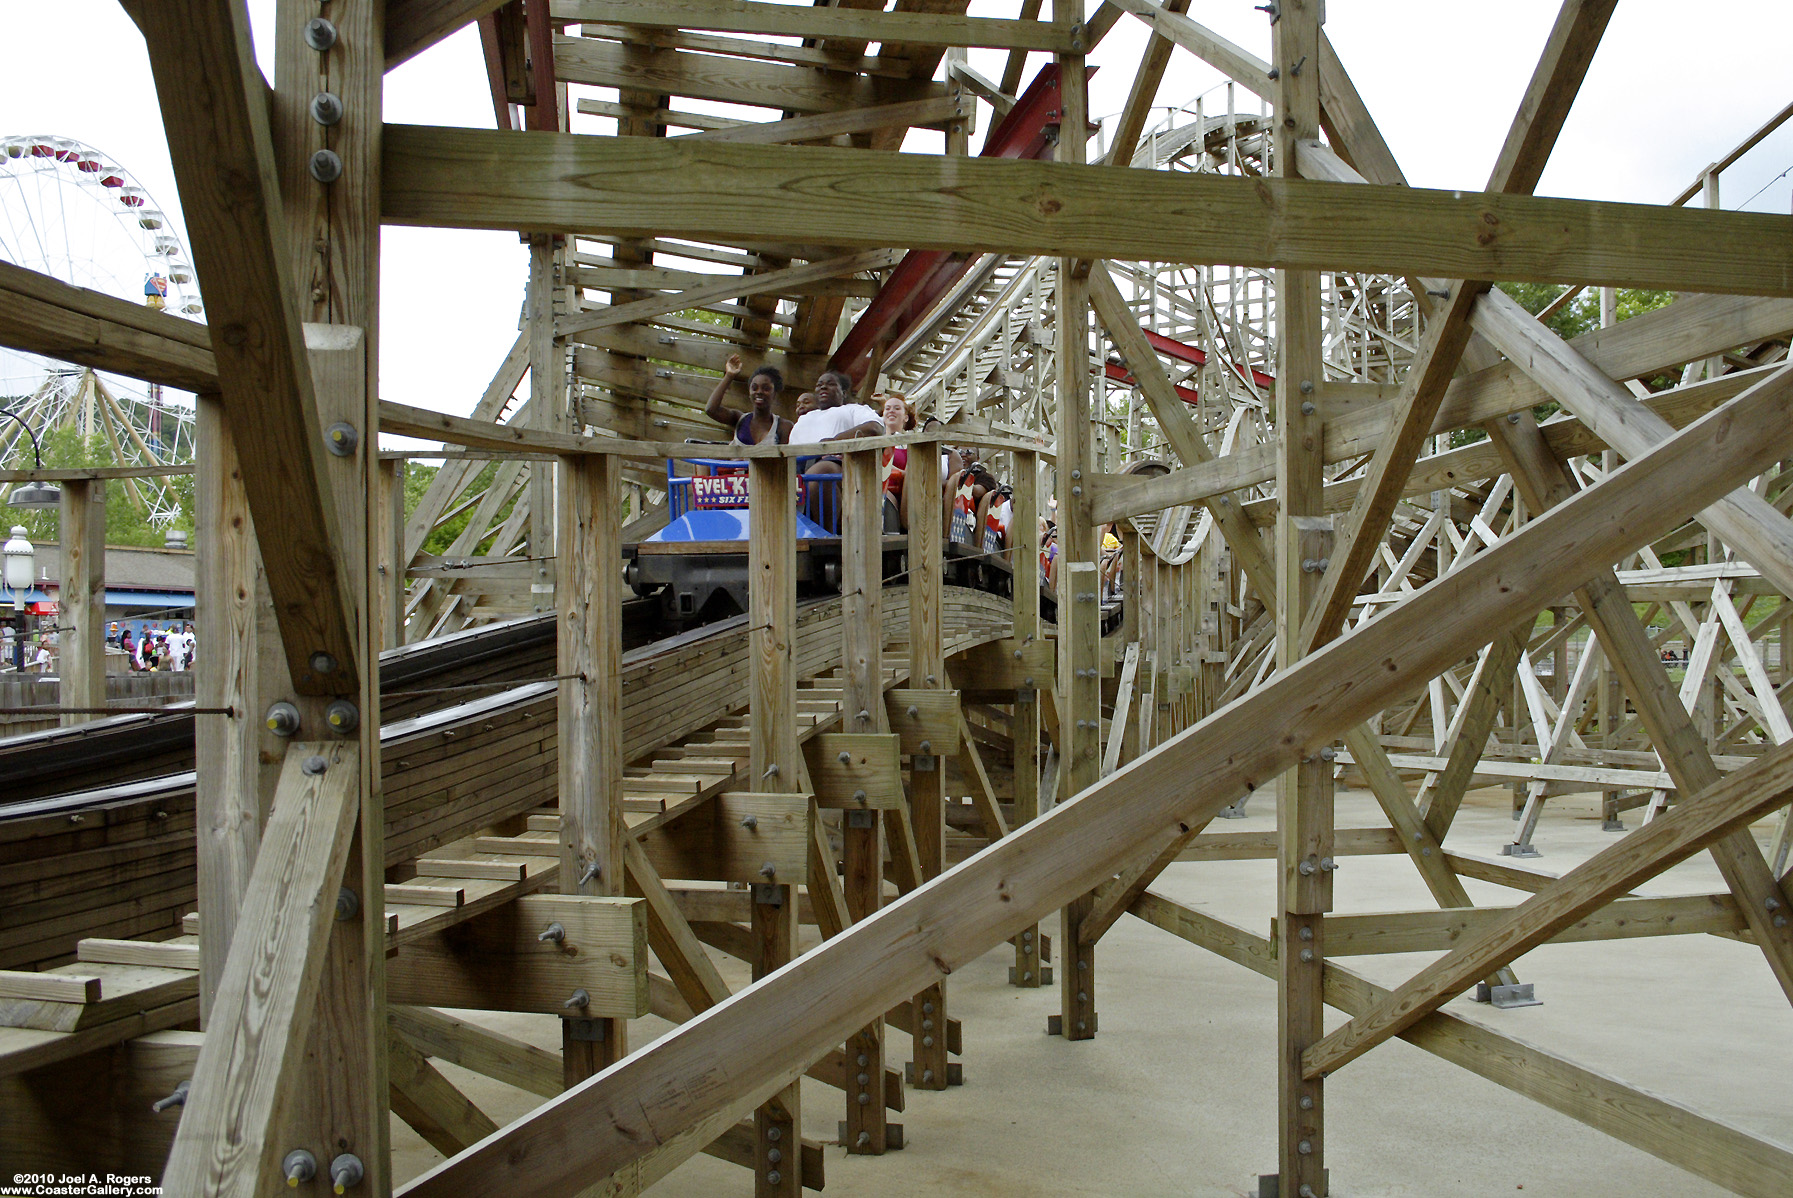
column 1675, row 85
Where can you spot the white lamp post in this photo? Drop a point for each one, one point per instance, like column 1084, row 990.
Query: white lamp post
column 20, row 573
column 21, row 566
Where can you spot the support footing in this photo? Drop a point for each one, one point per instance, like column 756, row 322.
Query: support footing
column 1517, row 995
column 1055, row 1025
column 1519, row 850
column 1613, row 825
column 1270, row 1186
column 955, row 1073
column 893, row 1138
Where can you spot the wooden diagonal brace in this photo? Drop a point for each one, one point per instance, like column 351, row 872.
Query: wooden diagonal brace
column 1696, row 822
column 695, row 1082
column 256, row 1042
column 216, row 113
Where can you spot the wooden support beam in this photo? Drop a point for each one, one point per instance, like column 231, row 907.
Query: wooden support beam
column 429, row 1102
column 666, row 70
column 919, row 835
column 329, row 237
column 216, row 111
column 1719, row 1152
column 413, row 26
column 1443, row 930
column 776, row 766
column 1079, row 578
column 41, row 315
column 1692, row 327
column 1746, row 521
column 1489, row 688
column 1143, row 93
column 1544, row 481
column 749, row 1048
column 726, row 287
column 850, row 24
column 1542, row 110
column 1024, row 536
column 1167, row 21
column 81, row 599
column 1693, row 824
column 237, row 764
column 1304, row 536
column 562, row 183
column 255, row 1045
column 824, row 125
column 1175, row 422
column 862, row 712
column 588, row 658
column 486, row 1052
column 677, row 946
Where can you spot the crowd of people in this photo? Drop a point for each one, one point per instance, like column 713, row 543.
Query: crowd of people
column 173, row 648
column 978, row 509
column 147, row 648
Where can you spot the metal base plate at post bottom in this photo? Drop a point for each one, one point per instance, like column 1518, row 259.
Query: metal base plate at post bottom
column 1516, row 995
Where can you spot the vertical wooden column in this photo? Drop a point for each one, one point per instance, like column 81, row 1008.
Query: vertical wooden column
column 1079, row 588
column 1132, row 632
column 333, row 238
column 81, row 613
column 927, row 777
column 1304, row 795
column 862, row 706
column 242, row 668
column 1024, row 557
column 589, row 659
column 772, row 621
column 547, row 404
column 392, row 552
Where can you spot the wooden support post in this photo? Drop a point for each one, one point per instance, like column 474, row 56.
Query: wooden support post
column 776, row 767
column 1024, row 558
column 589, row 661
column 547, row 408
column 392, row 553
column 1303, row 542
column 81, row 614
column 1079, row 631
column 862, row 710
column 930, row 1069
column 331, row 242
column 238, row 758
column 1079, row 606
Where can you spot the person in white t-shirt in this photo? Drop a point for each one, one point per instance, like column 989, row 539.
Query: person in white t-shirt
column 833, row 420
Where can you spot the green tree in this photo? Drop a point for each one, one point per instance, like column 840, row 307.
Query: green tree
column 1579, row 316
column 127, row 520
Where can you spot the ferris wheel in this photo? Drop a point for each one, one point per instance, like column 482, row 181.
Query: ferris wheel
column 73, row 213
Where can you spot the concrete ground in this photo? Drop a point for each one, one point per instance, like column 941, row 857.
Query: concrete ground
column 1176, row 1095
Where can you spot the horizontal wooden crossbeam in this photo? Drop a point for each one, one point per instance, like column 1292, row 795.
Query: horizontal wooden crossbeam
column 643, row 186
column 851, row 24
column 41, row 315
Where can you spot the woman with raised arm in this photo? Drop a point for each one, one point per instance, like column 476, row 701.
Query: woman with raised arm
column 763, row 386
